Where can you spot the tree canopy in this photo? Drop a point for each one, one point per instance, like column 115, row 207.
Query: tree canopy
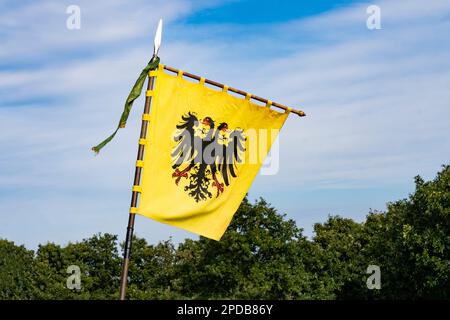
column 263, row 255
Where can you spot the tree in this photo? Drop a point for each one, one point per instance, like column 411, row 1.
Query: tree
column 50, row 273
column 99, row 262
column 340, row 240
column 151, row 270
column 410, row 242
column 16, row 271
column 261, row 256
column 413, row 242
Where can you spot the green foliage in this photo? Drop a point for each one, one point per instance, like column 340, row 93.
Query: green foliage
column 341, row 242
column 98, row 259
column 410, row 242
column 152, row 270
column 416, row 247
column 16, row 276
column 262, row 255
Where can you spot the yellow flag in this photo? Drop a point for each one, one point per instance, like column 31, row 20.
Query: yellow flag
column 203, row 149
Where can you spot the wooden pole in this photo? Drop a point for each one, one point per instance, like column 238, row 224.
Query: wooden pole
column 134, row 196
column 243, row 93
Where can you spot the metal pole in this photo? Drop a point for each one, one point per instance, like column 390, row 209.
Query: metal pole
column 134, row 197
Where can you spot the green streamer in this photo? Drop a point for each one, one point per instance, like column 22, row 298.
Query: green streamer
column 134, row 94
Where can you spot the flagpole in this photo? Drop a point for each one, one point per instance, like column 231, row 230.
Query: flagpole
column 137, row 174
column 134, row 196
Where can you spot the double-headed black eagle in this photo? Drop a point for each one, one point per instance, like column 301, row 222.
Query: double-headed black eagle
column 207, row 152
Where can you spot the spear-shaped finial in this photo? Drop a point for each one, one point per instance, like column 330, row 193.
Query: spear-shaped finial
column 157, row 38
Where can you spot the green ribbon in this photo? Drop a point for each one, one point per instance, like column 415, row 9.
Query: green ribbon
column 134, row 94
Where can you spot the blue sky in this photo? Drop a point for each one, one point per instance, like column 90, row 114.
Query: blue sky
column 263, row 11
column 377, row 104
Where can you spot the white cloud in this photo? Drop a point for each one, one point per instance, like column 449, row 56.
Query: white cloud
column 377, row 104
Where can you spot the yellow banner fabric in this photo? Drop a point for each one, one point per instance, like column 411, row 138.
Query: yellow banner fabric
column 203, row 149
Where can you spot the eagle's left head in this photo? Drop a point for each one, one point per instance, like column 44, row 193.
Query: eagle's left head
column 207, row 121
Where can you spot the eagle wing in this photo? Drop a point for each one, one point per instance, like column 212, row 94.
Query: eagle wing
column 184, row 150
column 231, row 155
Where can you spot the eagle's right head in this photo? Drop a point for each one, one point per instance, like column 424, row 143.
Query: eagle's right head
column 223, row 126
